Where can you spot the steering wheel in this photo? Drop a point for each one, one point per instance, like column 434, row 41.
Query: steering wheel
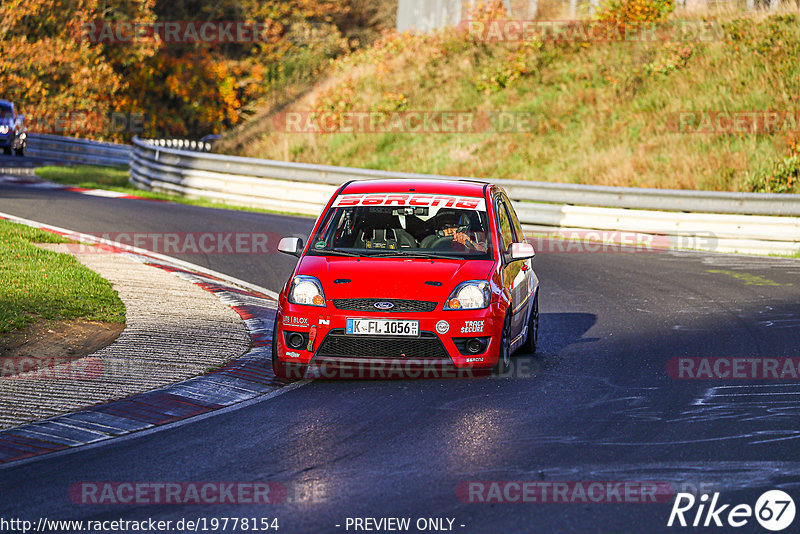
column 447, row 243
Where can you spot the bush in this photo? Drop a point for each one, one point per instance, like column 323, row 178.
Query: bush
column 628, row 15
column 783, row 177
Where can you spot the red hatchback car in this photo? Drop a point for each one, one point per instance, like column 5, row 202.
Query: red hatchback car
column 409, row 271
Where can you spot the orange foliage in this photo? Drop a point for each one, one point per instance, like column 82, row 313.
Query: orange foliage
column 49, row 67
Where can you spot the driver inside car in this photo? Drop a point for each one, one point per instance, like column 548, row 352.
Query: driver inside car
column 451, row 226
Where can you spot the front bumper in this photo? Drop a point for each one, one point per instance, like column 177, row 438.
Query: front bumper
column 442, row 339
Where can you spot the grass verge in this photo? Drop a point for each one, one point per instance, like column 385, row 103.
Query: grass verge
column 39, row 284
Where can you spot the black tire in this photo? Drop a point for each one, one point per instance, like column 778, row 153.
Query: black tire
column 19, row 151
column 504, row 358
column 288, row 371
column 7, row 150
column 533, row 326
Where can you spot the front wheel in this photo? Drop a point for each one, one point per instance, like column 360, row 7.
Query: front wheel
column 19, row 151
column 285, row 370
column 533, row 326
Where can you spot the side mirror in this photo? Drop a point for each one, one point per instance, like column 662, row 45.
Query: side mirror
column 291, row 245
column 520, row 251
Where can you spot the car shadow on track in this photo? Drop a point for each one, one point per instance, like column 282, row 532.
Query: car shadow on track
column 556, row 332
column 559, row 330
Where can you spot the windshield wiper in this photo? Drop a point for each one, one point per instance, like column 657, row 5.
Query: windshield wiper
column 412, row 254
column 336, row 252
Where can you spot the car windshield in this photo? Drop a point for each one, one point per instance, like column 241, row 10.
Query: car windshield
column 449, row 227
column 6, row 113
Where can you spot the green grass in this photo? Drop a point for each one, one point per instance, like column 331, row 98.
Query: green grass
column 607, row 112
column 795, row 255
column 88, row 176
column 38, row 284
column 116, row 179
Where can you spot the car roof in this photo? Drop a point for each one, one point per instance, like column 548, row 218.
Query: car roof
column 468, row 188
column 6, row 102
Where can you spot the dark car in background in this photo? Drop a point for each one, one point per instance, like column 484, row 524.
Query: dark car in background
column 13, row 134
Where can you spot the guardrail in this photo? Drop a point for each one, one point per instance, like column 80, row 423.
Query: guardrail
column 745, row 222
column 183, row 144
column 74, row 150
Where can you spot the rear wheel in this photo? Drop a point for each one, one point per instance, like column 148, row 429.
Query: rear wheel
column 7, row 150
column 291, row 371
column 19, row 151
column 504, row 357
column 533, row 326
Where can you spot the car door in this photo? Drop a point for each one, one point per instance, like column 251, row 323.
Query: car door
column 515, row 273
column 531, row 282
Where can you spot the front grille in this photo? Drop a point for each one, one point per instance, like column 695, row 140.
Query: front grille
column 400, row 305
column 338, row 344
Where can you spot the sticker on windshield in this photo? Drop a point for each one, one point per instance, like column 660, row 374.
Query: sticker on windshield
column 399, row 199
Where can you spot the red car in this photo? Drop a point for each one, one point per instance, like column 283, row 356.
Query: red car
column 409, row 271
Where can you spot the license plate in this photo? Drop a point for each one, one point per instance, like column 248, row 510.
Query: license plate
column 382, row 327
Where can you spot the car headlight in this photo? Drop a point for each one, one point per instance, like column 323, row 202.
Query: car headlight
column 4, row 129
column 471, row 295
column 306, row 290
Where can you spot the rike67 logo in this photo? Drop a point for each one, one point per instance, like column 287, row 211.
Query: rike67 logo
column 774, row 510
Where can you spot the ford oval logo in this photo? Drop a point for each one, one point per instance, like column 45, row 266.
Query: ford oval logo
column 383, row 305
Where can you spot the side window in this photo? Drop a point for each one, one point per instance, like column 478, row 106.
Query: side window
column 506, row 233
column 519, row 236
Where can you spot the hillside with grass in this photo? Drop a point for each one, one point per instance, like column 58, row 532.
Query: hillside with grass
column 608, row 112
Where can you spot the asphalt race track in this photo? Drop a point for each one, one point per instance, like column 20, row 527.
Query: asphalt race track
column 15, row 161
column 597, row 402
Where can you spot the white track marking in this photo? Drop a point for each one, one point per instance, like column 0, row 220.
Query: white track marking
column 743, row 392
column 143, row 252
column 102, row 193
